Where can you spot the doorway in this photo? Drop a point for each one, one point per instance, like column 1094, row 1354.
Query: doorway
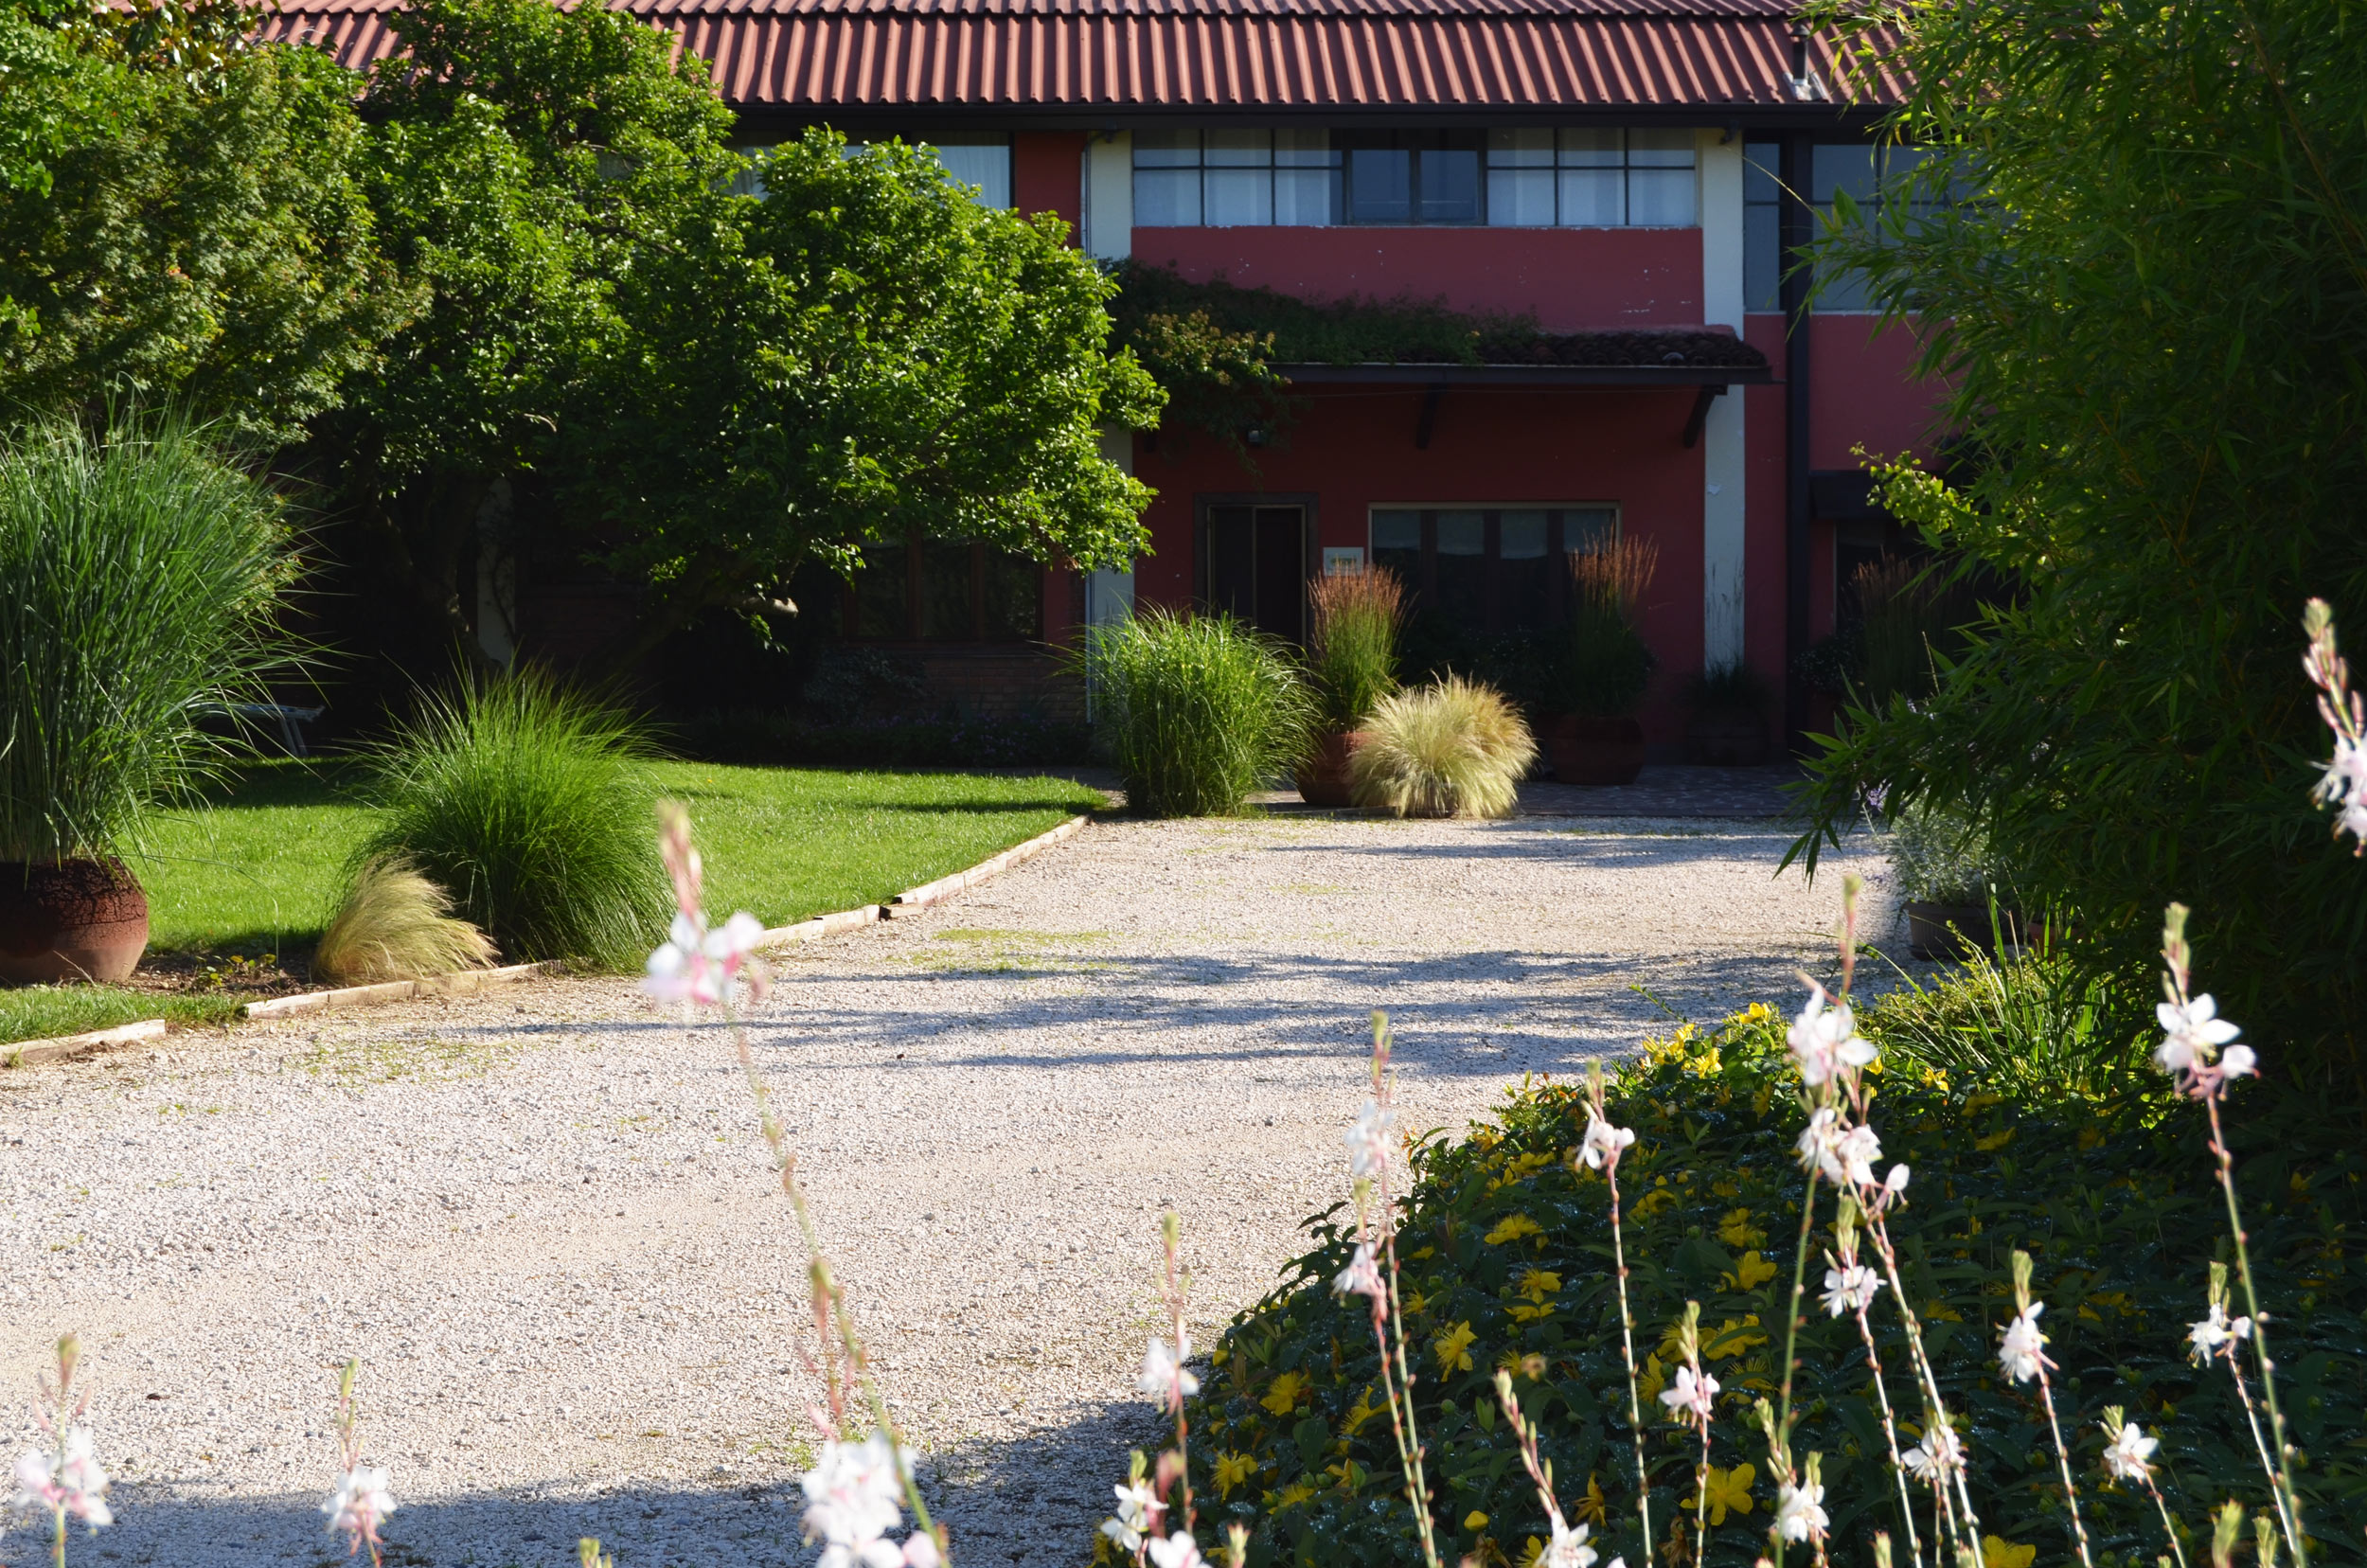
column 1252, row 564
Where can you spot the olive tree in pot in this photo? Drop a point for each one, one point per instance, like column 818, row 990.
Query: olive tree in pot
column 1958, row 901
column 1727, row 726
column 1595, row 737
column 1356, row 617
column 138, row 574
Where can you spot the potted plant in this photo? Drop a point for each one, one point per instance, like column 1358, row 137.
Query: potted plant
column 1727, row 727
column 1357, row 614
column 141, row 572
column 1956, row 899
column 1604, row 667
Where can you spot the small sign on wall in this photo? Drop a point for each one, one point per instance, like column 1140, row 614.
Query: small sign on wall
column 1343, row 558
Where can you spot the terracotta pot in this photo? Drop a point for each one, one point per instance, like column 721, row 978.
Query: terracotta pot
column 1929, row 936
column 1323, row 779
column 1594, row 751
column 1725, row 739
column 79, row 919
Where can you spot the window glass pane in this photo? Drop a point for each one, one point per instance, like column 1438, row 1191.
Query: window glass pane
column 984, row 164
column 1833, row 168
column 1463, row 565
column 1166, row 198
column 1451, row 192
column 1586, row 529
column 1521, row 536
column 1397, row 546
column 1521, row 198
column 1305, row 196
column 1591, row 149
column 1593, row 198
column 882, row 609
column 1380, row 186
column 1660, row 150
column 1519, row 149
column 1014, row 595
column 1304, row 149
column 1239, row 148
column 1762, row 171
column 1462, row 533
column 1237, row 196
column 945, row 612
column 1660, row 197
column 1762, row 258
column 1844, row 290
column 1167, row 148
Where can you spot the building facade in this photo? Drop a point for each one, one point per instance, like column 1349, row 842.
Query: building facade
column 1627, row 171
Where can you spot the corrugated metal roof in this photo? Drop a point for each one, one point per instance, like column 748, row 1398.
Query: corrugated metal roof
column 1282, row 55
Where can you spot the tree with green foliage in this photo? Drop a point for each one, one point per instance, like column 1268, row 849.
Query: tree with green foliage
column 2150, row 314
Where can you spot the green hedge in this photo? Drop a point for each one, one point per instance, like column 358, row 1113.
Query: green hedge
column 1507, row 1255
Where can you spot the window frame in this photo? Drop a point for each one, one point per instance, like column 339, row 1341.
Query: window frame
column 1422, row 594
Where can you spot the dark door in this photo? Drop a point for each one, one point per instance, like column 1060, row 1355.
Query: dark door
column 1257, row 567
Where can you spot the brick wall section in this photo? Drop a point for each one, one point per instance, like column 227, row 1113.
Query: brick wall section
column 996, row 683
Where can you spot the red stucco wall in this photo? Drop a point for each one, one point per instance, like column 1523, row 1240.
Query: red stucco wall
column 1354, row 449
column 1570, row 278
column 1863, row 394
column 1047, row 174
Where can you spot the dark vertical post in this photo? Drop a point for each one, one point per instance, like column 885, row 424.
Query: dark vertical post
column 1797, row 220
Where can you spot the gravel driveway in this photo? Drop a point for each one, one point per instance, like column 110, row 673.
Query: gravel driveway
column 543, row 1217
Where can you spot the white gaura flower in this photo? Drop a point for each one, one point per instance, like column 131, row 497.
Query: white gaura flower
column 1858, row 1149
column 1568, row 1549
column 1850, row 1289
column 1602, row 1142
column 1940, row 1452
column 68, row 1481
column 1368, row 1140
column 1825, row 1041
column 2215, row 1333
column 854, row 1496
column 2125, row 1456
column 697, row 966
column 920, row 1551
column 2238, row 1062
column 1895, row 1181
column 1691, row 1394
column 359, row 1505
column 1363, row 1277
column 1164, row 1375
column 1138, row 1516
column 1799, row 1511
column 2021, row 1353
column 2192, row 1034
column 1820, row 1141
column 1178, row 1551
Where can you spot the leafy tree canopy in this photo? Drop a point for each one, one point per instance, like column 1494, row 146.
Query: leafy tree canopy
column 2152, row 318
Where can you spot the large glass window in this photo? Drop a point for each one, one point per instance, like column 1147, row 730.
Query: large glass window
column 1762, row 226
column 1493, row 568
column 981, row 160
column 933, row 590
column 1606, row 178
column 1871, row 176
column 1224, row 179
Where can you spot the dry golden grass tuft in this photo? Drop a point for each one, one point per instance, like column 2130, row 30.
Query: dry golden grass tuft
column 1453, row 749
column 395, row 924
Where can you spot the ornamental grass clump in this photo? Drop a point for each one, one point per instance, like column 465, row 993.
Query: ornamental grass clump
column 1606, row 663
column 1452, row 749
column 1357, row 616
column 140, row 572
column 1196, row 710
column 526, row 804
column 395, row 924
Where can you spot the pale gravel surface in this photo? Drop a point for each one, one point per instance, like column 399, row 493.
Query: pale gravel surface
column 544, row 1217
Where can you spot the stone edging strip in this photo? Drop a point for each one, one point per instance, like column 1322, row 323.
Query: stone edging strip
column 945, row 887
column 469, row 982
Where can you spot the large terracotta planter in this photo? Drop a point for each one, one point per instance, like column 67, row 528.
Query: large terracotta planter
column 1929, row 936
column 1594, row 751
column 80, row 919
column 1725, row 739
column 1323, row 779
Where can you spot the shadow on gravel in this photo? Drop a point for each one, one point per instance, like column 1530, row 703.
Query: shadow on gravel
column 1036, row 1498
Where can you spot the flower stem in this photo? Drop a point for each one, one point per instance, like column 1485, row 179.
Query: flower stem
column 1879, row 1231
column 1890, row 1437
column 1781, row 1445
column 2062, row 1460
column 2167, row 1529
column 2281, row 1473
column 1626, row 1349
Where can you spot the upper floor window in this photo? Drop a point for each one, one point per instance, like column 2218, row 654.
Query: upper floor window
column 980, row 160
column 1595, row 178
column 1861, row 170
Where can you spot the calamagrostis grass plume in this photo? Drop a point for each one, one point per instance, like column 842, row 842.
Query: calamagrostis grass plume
column 395, row 924
column 1615, row 576
column 1356, row 616
column 1453, row 749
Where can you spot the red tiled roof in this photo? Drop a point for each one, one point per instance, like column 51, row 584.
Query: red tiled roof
column 1281, row 55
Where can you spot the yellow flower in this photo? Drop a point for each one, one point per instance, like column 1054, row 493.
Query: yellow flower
column 1651, row 1379
column 1285, row 1393
column 1475, row 1521
column 1590, row 1506
column 1417, row 1304
column 1735, row 1230
column 1293, row 1495
column 1752, row 1273
column 1522, row 1169
column 1532, row 1553
column 1536, row 1284
column 1727, row 1490
column 1940, row 1311
column 1732, row 1338
column 2091, row 1137
column 1997, row 1552
column 1655, row 1201
column 1453, row 1348
column 1511, row 1228
column 1364, row 1410
column 1232, row 1470
column 1994, row 1141
column 1531, row 1314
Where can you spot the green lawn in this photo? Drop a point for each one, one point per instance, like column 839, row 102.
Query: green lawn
column 259, row 869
